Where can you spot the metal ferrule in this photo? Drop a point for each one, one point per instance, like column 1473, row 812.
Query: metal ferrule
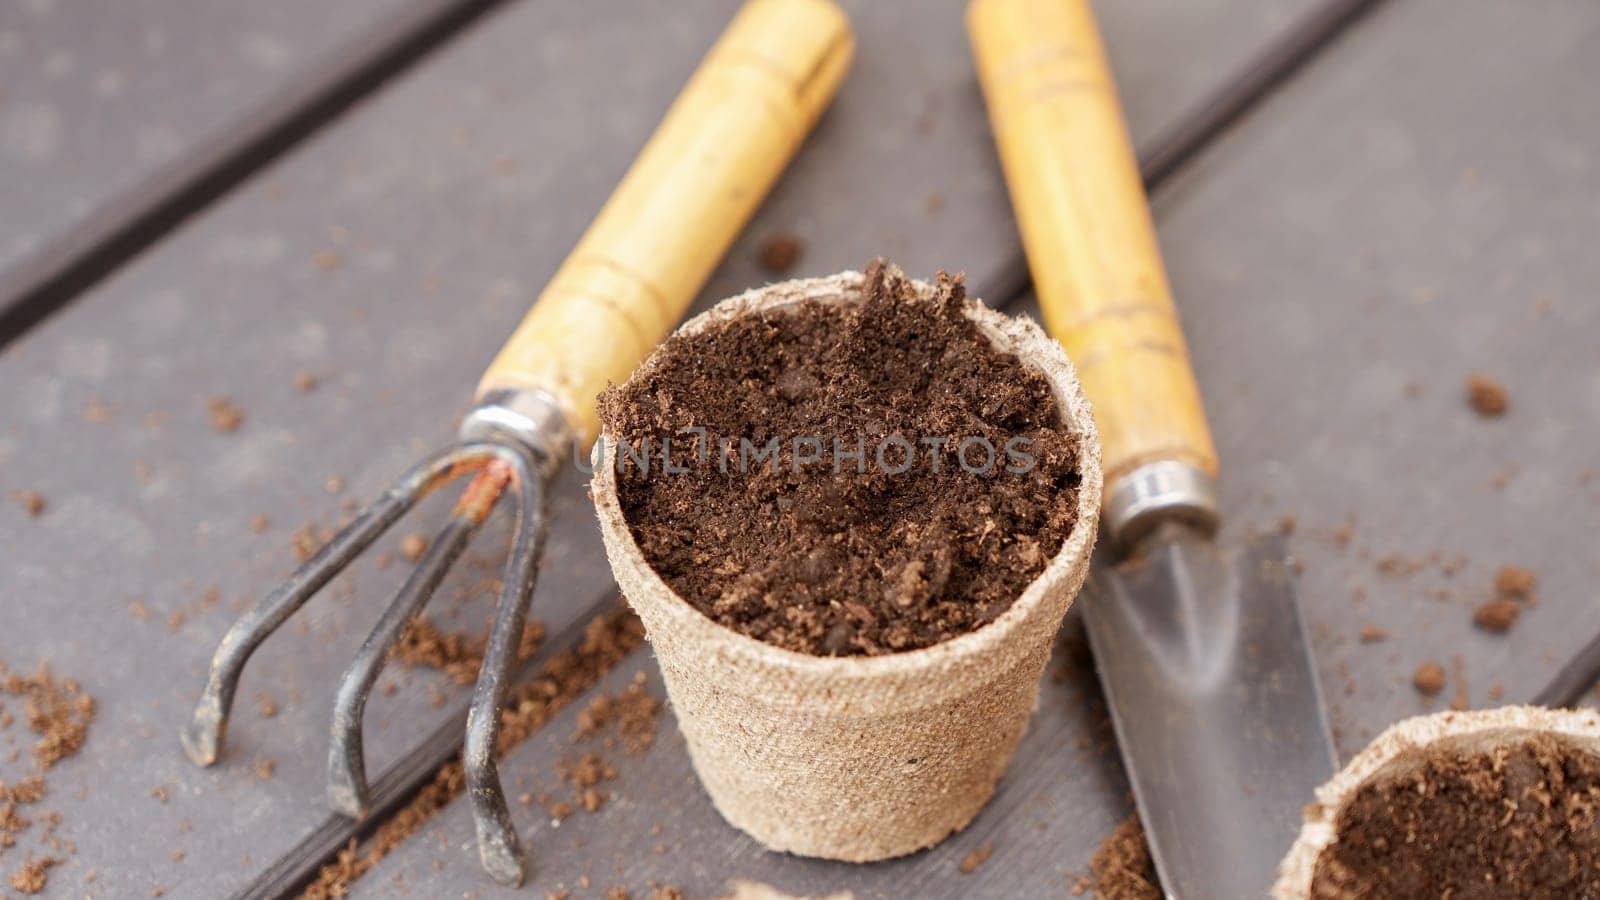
column 1160, row 492
column 529, row 417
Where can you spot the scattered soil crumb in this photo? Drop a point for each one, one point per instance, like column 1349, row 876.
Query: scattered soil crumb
column 333, row 485
column 1372, row 634
column 225, row 417
column 1513, row 586
column 666, row 892
column 413, row 545
column 1497, row 691
column 327, row 260
column 266, row 704
column 929, row 547
column 32, row 502
column 1395, row 565
column 1459, row 701
column 616, row 893
column 34, row 874
column 607, row 640
column 1429, row 678
column 259, row 523
column 1497, row 616
column 308, row 539
column 1122, row 867
column 584, row 773
column 26, row 792
column 98, row 411
column 58, row 712
column 1515, row 581
column 1486, row 396
column 976, row 858
column 305, row 382
column 265, row 768
column 456, row 654
column 1287, row 525
column 780, row 252
column 1471, row 817
column 633, row 712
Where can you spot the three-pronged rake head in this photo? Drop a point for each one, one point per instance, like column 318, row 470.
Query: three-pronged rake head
column 497, row 467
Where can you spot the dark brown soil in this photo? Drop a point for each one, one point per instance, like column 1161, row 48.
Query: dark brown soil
column 33, row 876
column 838, row 557
column 32, row 502
column 413, row 545
column 1471, row 820
column 585, row 774
column 1515, row 581
column 974, row 860
column 1513, row 586
column 1497, row 615
column 225, row 417
column 1429, row 678
column 456, row 654
column 1487, row 397
column 780, row 253
column 58, row 712
column 1122, row 867
column 627, row 717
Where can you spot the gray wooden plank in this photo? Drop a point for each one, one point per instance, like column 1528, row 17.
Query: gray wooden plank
column 1405, row 213
column 659, row 827
column 429, row 256
column 1413, row 212
column 102, row 97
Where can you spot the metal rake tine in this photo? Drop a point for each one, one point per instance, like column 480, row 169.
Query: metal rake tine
column 498, row 847
column 202, row 737
column 347, row 770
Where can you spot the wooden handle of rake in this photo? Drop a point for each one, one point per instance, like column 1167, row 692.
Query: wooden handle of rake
column 1085, row 222
column 737, row 123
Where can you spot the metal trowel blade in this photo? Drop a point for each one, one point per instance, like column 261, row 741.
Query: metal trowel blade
column 1219, row 717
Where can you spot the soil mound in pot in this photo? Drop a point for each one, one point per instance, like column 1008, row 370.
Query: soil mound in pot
column 1471, row 816
column 919, row 478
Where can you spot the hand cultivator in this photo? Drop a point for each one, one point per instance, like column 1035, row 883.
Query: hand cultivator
column 723, row 143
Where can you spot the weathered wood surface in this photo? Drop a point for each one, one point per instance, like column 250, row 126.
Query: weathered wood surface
column 1412, row 209
column 103, row 99
column 511, row 139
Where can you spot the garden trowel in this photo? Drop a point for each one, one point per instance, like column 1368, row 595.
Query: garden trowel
column 1202, row 654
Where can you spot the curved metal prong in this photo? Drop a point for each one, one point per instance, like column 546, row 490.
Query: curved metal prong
column 498, row 846
column 347, row 771
column 203, row 736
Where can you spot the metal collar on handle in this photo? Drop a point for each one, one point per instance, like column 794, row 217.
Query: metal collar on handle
column 1160, row 492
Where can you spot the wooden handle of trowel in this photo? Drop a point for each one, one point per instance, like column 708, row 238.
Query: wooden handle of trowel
column 738, row 121
column 1085, row 223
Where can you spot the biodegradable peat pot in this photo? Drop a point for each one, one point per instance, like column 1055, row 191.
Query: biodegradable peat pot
column 1398, row 753
column 858, row 758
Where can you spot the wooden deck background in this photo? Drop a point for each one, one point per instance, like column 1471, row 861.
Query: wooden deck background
column 1420, row 203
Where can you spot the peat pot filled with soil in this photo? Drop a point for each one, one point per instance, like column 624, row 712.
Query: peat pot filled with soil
column 851, row 512
column 1489, row 804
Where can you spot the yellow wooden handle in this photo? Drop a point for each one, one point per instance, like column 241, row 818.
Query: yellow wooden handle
column 1085, row 223
column 736, row 124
